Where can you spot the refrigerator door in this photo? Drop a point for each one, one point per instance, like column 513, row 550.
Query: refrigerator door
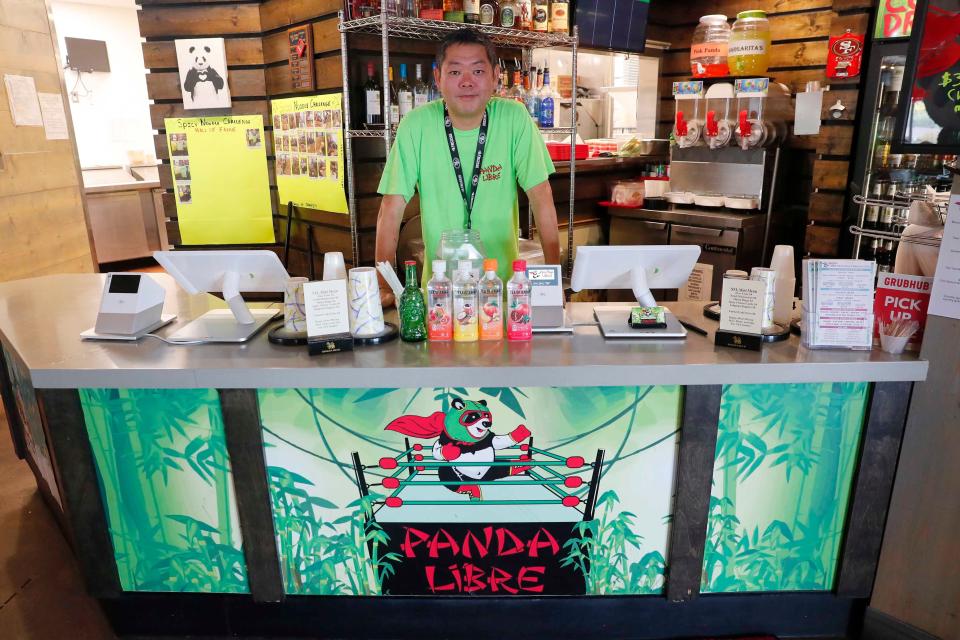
column 877, row 171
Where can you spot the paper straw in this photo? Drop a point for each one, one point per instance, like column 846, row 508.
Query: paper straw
column 366, row 314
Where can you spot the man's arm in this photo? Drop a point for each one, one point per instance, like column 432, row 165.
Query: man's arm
column 545, row 213
column 388, row 230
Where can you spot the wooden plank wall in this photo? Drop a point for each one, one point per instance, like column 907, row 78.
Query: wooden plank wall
column 816, row 167
column 43, row 226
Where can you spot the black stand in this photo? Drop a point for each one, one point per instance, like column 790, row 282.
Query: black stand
column 286, row 241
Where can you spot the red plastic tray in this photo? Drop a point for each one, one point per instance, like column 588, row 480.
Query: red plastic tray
column 561, row 151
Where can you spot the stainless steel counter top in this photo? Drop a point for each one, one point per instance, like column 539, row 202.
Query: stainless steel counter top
column 41, row 319
column 720, row 218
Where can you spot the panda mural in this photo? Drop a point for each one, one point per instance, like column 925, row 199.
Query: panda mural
column 203, row 73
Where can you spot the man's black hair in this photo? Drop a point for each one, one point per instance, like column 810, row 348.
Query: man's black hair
column 467, row 36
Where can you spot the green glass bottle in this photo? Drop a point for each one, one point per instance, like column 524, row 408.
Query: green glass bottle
column 412, row 309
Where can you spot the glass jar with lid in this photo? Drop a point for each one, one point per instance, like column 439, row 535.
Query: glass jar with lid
column 748, row 53
column 708, row 51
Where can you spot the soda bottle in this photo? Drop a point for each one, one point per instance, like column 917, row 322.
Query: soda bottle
column 520, row 318
column 412, row 308
column 465, row 304
column 439, row 304
column 491, row 302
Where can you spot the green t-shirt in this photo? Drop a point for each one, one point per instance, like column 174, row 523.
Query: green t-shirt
column 420, row 159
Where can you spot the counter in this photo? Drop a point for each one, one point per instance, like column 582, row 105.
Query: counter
column 125, row 212
column 259, row 489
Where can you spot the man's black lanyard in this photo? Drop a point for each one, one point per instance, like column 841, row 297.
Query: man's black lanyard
column 458, row 170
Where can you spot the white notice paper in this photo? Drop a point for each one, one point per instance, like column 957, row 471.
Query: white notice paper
column 54, row 117
column 22, row 96
column 839, row 294
column 945, row 295
column 325, row 303
column 699, row 285
column 741, row 308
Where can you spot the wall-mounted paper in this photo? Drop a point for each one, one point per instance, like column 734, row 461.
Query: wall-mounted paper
column 54, row 117
column 22, row 96
column 945, row 297
column 807, row 117
column 203, row 73
column 308, row 147
column 220, row 178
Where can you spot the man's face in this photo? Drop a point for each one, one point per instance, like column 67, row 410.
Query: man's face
column 467, row 79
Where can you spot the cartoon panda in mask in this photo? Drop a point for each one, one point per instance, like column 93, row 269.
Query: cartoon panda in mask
column 463, row 435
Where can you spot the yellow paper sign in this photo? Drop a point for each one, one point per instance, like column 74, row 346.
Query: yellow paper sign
column 308, row 151
column 220, row 178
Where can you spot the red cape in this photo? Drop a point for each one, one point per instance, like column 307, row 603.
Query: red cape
column 418, row 427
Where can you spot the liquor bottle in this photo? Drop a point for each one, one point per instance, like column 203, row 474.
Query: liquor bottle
column 434, row 93
column 465, row 322
column 471, row 11
column 524, row 14
column 548, row 102
column 508, row 14
column 453, row 10
column 491, row 302
column 394, row 99
column 520, row 318
column 871, row 217
column 867, row 249
column 560, row 16
column 373, row 99
column 516, row 91
column 421, row 90
column 541, row 16
column 411, row 307
column 404, row 93
column 539, row 85
column 440, row 304
column 885, row 222
column 531, row 96
column 489, row 12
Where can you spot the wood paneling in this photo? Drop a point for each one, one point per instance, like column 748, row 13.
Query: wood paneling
column 826, row 208
column 834, row 140
column 240, row 52
column 203, row 20
column 688, row 13
column 243, row 83
column 328, row 72
column 821, row 240
column 275, row 14
column 831, row 174
column 326, row 37
column 43, row 225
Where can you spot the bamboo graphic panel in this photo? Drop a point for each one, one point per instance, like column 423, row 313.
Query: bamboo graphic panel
column 167, row 488
column 450, row 540
column 784, row 465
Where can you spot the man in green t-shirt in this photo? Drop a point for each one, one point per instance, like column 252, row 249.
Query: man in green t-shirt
column 422, row 159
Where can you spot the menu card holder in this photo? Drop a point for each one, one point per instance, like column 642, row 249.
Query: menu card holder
column 328, row 324
column 741, row 314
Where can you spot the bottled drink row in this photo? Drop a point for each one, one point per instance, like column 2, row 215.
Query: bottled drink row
column 527, row 15
column 530, row 88
column 405, row 95
column 468, row 307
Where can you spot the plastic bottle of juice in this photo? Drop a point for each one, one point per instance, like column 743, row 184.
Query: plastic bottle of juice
column 748, row 53
column 491, row 302
column 440, row 304
column 520, row 315
column 465, row 321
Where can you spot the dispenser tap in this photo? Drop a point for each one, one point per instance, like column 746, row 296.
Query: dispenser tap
column 745, row 130
column 681, row 127
column 711, row 124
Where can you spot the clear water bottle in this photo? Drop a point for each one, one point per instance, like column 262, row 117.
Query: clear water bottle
column 440, row 304
column 520, row 313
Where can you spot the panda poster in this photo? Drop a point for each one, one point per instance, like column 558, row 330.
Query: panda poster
column 203, row 73
column 308, row 151
column 220, row 178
